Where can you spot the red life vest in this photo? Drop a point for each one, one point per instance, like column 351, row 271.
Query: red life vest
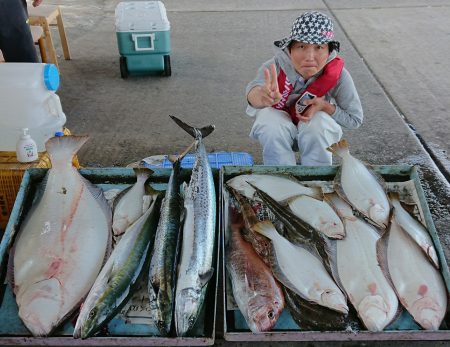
column 324, row 83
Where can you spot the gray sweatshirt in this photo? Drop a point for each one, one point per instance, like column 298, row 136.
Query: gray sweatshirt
column 343, row 95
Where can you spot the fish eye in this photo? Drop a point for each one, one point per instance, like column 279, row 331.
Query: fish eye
column 271, row 315
column 92, row 313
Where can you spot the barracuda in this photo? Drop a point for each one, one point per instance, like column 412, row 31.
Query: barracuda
column 199, row 229
column 162, row 274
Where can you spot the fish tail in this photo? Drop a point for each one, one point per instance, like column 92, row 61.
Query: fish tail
column 394, row 196
column 142, row 173
column 340, row 148
column 265, row 228
column 176, row 159
column 194, row 132
column 62, row 149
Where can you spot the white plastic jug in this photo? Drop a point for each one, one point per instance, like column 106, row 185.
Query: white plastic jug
column 28, row 100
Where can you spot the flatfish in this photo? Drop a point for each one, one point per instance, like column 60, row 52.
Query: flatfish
column 361, row 187
column 62, row 243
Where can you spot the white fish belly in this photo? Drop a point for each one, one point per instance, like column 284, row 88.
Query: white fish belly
column 420, row 286
column 129, row 208
column 362, row 278
column 363, row 190
column 60, row 250
column 185, row 279
column 303, row 270
column 417, row 231
column 319, row 215
column 279, row 188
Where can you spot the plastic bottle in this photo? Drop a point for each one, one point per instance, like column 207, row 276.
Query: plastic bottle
column 26, row 149
column 28, row 100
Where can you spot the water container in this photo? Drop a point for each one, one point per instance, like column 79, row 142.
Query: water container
column 28, row 100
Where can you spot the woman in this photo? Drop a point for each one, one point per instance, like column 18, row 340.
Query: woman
column 303, row 95
column 16, row 42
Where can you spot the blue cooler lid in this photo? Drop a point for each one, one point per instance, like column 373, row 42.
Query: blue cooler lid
column 51, row 77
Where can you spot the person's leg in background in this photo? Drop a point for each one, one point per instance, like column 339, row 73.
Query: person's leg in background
column 16, row 42
column 315, row 136
column 276, row 133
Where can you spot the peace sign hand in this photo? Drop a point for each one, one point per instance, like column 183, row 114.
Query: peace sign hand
column 270, row 92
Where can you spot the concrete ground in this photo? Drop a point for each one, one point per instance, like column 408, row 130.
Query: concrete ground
column 396, row 52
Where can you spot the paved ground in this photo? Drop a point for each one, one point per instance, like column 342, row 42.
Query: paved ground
column 395, row 51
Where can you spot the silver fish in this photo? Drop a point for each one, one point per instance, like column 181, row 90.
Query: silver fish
column 359, row 273
column 361, row 187
column 162, row 274
column 415, row 229
column 419, row 285
column 279, row 187
column 62, row 243
column 319, row 214
column 302, row 271
column 196, row 268
column 114, row 285
column 128, row 204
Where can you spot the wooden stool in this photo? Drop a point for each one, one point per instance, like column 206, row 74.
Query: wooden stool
column 46, row 15
column 39, row 39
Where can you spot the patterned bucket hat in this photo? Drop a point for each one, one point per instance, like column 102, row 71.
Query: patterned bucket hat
column 311, row 27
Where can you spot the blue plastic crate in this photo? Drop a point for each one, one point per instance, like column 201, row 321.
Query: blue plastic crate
column 216, row 160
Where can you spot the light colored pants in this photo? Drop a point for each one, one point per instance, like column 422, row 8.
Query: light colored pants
column 280, row 138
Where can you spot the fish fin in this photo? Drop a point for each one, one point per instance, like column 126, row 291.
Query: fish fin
column 329, row 197
column 265, row 228
column 332, row 256
column 338, row 186
column 424, row 251
column 183, row 189
column 142, row 173
column 61, row 150
column 381, row 181
column 312, row 316
column 10, row 268
column 247, row 211
column 153, row 287
column 39, row 191
column 339, row 148
column 98, row 195
column 149, row 190
column 186, row 151
column 194, row 132
column 172, row 158
column 292, row 222
column 294, row 197
column 205, row 276
column 381, row 249
column 394, row 196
